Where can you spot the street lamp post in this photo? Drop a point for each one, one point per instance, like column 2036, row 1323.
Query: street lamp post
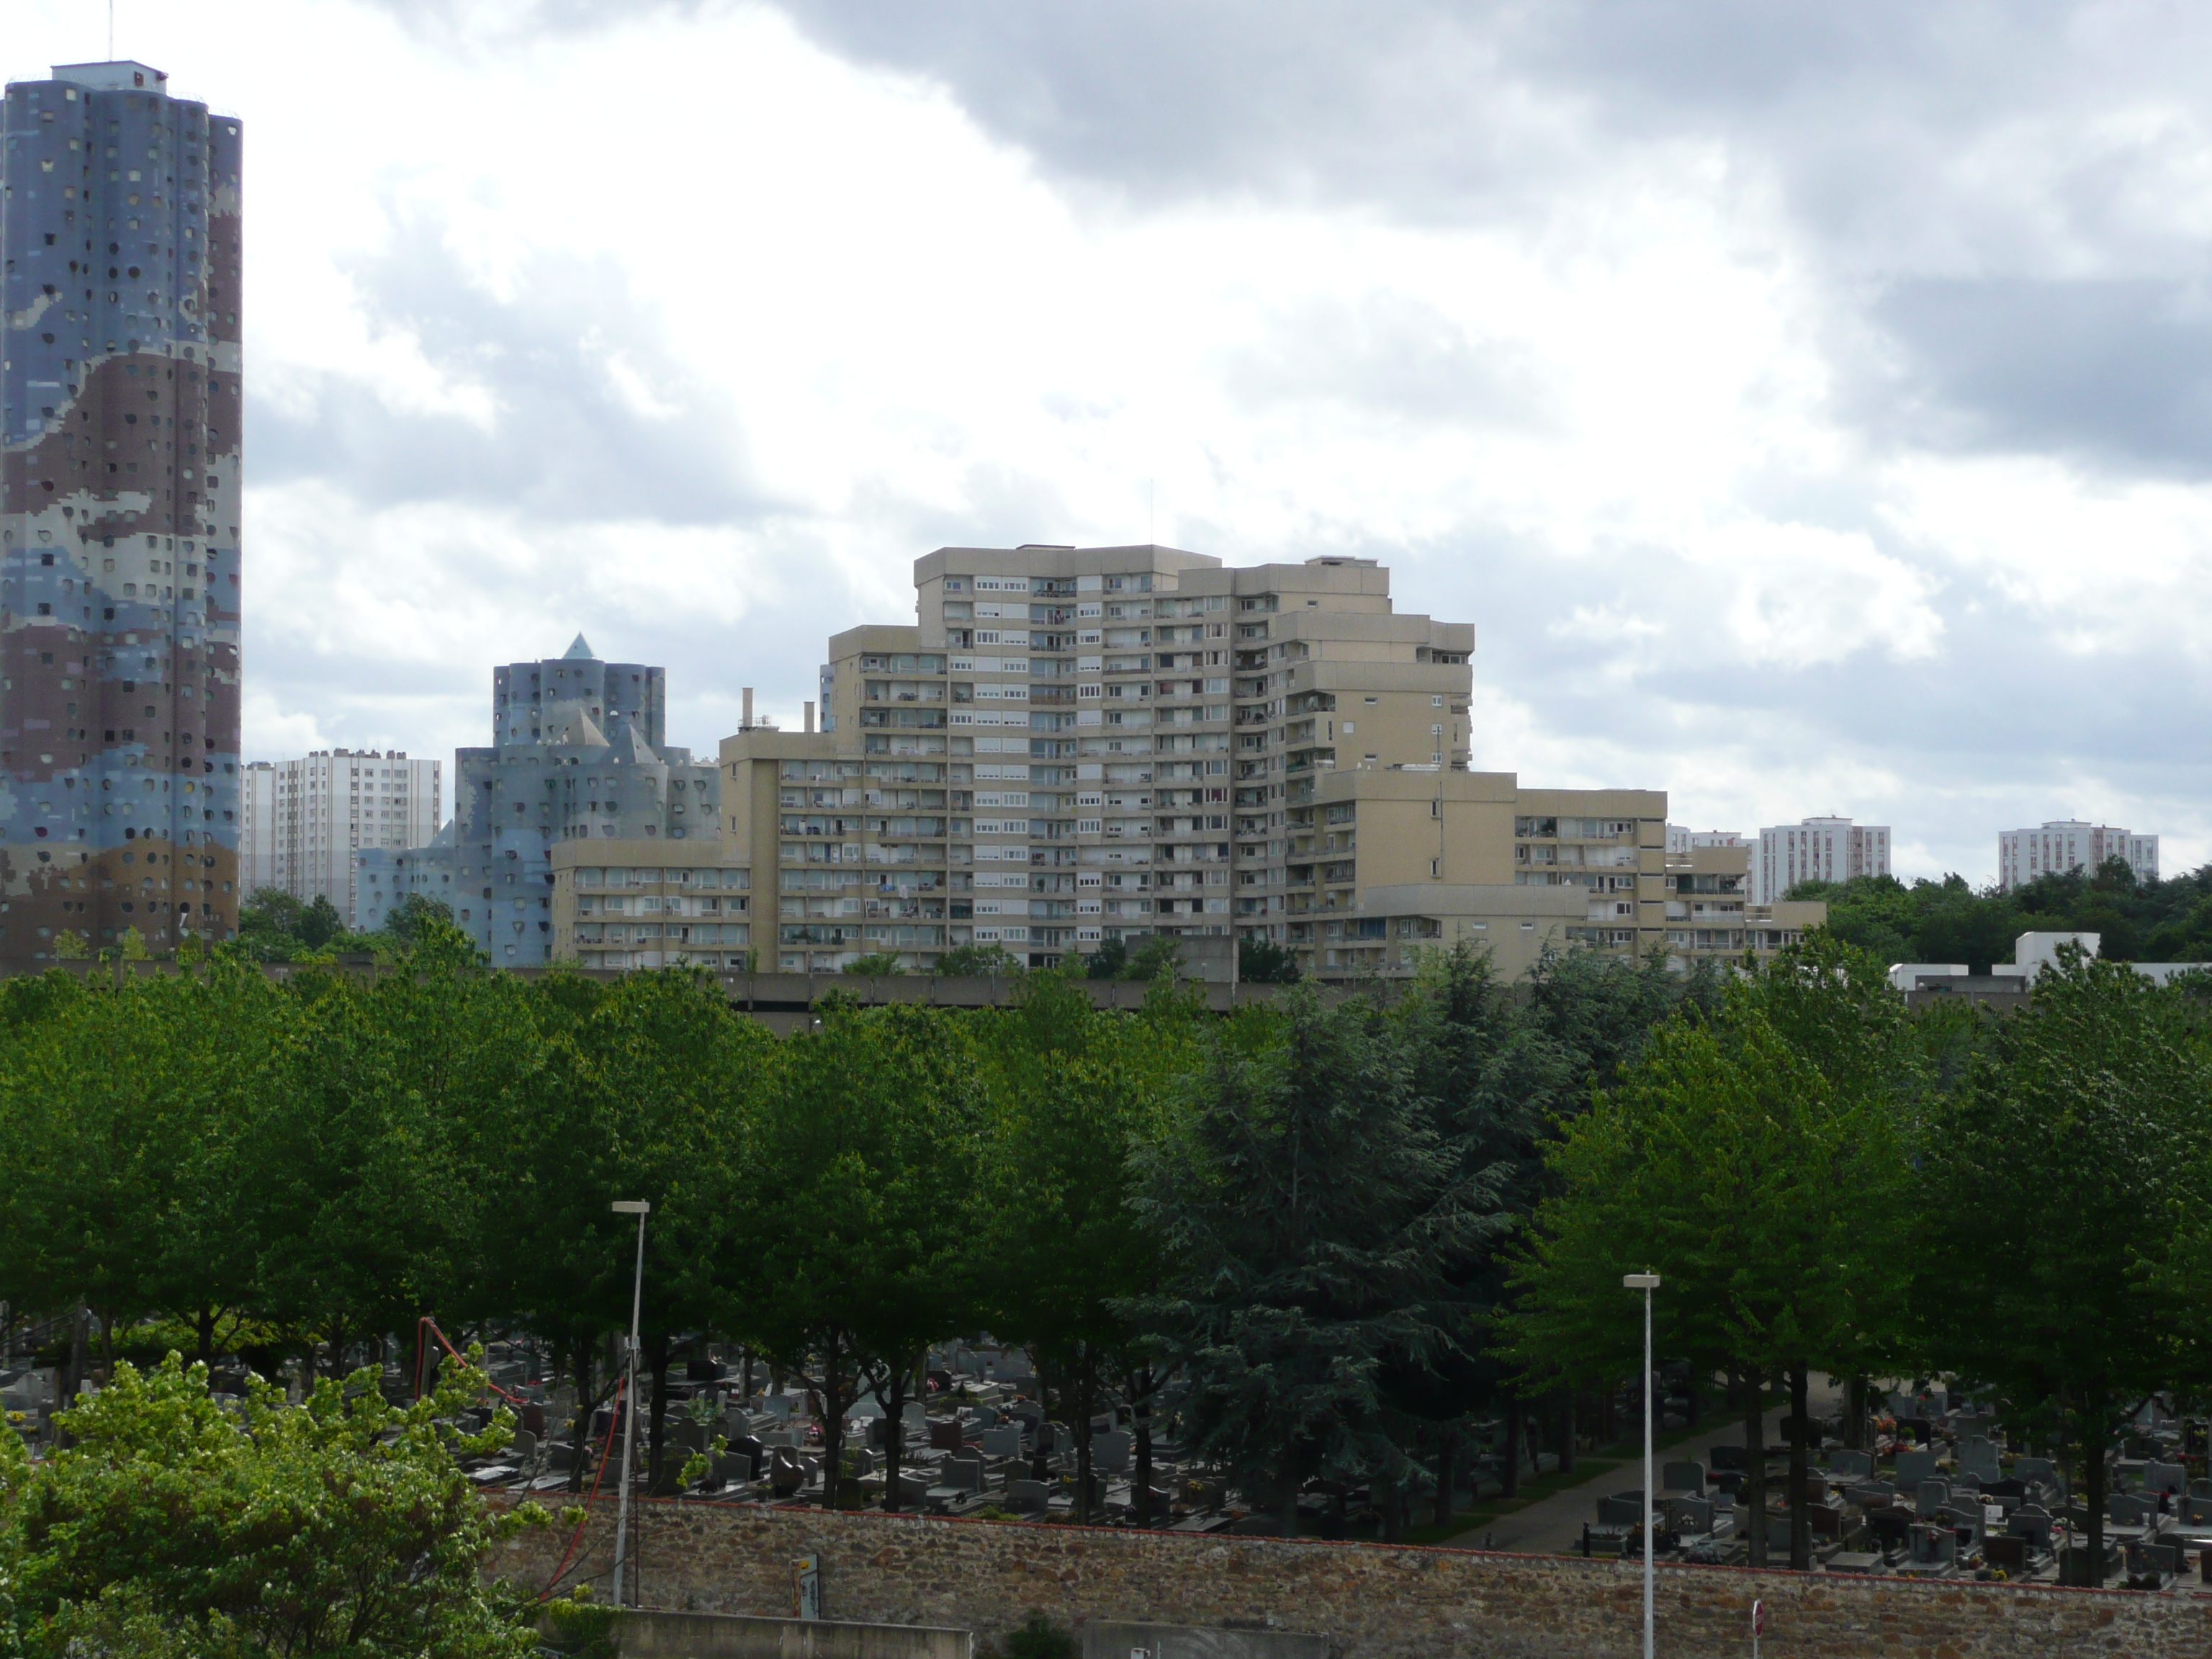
column 1646, row 1283
column 641, row 1208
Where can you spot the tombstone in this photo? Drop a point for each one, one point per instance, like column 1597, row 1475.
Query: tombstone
column 2007, row 1552
column 1623, row 1509
column 688, row 1433
column 981, row 1417
column 777, row 1437
column 2196, row 1509
column 702, row 1370
column 1053, row 1438
column 1979, row 1457
column 1734, row 1459
column 2130, row 1510
column 1026, row 1496
column 2034, row 1468
column 786, row 1473
column 1890, row 1527
column 1869, row 1495
column 524, row 1449
column 1856, row 1464
column 1960, row 1518
column 1914, row 1467
column 860, row 1462
column 731, row 1466
column 1933, row 1545
column 1683, row 1477
column 560, row 1457
column 945, row 1434
column 914, row 1414
column 1002, row 1441
column 1109, row 1452
column 2164, row 1477
column 1690, row 1516
column 1930, row 1497
column 533, row 1418
column 964, row 1473
column 1827, row 1522
column 781, row 1406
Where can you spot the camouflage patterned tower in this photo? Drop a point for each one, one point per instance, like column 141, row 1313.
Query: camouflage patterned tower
column 118, row 514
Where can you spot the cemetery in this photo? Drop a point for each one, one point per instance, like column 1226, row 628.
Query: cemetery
column 1332, row 1289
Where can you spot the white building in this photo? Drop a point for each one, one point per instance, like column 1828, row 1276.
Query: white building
column 1818, row 850
column 2069, row 844
column 306, row 820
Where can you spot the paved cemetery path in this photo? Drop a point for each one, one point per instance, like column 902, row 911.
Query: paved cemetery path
column 1553, row 1525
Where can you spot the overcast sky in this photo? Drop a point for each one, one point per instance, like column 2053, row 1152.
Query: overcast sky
column 1809, row 404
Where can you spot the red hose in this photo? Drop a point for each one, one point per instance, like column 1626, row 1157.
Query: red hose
column 597, row 1475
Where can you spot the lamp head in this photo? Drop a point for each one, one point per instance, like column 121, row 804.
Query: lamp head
column 1640, row 1281
column 633, row 1207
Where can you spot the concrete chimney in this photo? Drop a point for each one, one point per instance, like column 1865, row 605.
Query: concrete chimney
column 745, row 719
column 810, row 717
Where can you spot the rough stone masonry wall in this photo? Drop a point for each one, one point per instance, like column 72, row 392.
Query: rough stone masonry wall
column 1376, row 1601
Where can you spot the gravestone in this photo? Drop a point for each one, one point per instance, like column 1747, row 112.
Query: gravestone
column 1690, row 1515
column 2164, row 1477
column 1979, row 1457
column 1002, row 1441
column 1914, row 1467
column 966, row 1474
column 2006, row 1553
column 2035, row 1469
column 1688, row 1477
column 1854, row 1463
column 1109, row 1452
column 1026, row 1496
column 945, row 1434
column 1930, row 1497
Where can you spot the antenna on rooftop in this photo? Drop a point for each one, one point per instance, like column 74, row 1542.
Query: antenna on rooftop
column 111, row 31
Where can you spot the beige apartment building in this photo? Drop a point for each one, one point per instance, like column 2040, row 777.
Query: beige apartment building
column 1073, row 745
column 640, row 904
column 1389, row 862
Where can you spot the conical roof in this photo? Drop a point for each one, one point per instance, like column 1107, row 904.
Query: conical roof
column 580, row 652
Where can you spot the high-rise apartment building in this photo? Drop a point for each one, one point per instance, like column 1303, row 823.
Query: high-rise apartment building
column 1077, row 745
column 119, row 420
column 1818, row 850
column 2070, row 844
column 577, row 755
column 306, row 821
column 1073, row 746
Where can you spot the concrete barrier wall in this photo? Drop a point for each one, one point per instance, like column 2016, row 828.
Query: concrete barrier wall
column 1374, row 1601
column 653, row 1635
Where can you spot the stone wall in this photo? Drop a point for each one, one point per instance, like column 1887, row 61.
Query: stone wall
column 1375, row 1601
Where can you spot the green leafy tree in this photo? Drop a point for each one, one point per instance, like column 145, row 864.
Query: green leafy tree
column 880, row 963
column 1308, row 1205
column 855, row 1257
column 1263, row 962
column 1157, row 954
column 1108, row 960
column 2061, row 1184
column 1078, row 1090
column 979, row 962
column 172, row 1526
column 1755, row 1159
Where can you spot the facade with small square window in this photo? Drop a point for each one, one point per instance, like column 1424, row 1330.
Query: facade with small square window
column 119, row 514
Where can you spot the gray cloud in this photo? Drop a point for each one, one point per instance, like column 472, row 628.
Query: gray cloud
column 563, row 444
column 2119, row 373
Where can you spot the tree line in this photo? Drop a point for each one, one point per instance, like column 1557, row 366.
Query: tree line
column 1949, row 920
column 220, row 1160
column 1347, row 1232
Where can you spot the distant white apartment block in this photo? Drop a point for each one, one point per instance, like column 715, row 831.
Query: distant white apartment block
column 2069, row 844
column 1681, row 838
column 307, row 820
column 1818, row 850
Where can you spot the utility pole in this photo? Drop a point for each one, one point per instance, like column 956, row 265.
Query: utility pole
column 640, row 1208
column 1646, row 1283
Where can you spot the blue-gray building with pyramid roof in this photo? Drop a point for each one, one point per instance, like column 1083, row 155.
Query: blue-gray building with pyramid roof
column 578, row 751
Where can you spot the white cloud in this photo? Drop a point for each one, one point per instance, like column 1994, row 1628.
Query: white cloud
column 674, row 325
